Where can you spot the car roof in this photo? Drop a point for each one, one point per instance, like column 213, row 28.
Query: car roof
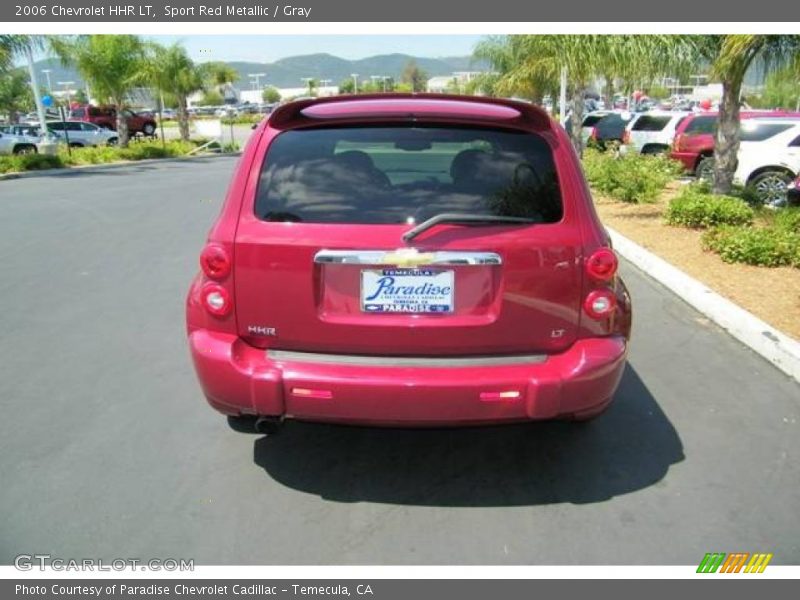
column 663, row 113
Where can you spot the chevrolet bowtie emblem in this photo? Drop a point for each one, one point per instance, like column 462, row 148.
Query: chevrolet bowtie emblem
column 408, row 257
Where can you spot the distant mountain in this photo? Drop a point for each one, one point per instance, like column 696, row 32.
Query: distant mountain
column 58, row 73
column 289, row 72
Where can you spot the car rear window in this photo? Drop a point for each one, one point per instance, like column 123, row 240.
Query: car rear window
column 79, row 113
column 384, row 175
column 611, row 127
column 706, row 124
column 592, row 120
column 753, row 131
column 650, row 123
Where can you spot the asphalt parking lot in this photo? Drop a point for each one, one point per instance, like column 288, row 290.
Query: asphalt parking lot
column 109, row 450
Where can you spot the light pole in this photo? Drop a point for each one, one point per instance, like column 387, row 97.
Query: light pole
column 257, row 77
column 355, row 82
column 307, row 81
column 37, row 98
column 47, row 75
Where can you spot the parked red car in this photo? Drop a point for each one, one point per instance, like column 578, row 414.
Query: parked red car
column 106, row 116
column 694, row 138
column 793, row 193
column 408, row 260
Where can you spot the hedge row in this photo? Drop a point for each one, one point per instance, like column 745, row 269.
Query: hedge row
column 634, row 178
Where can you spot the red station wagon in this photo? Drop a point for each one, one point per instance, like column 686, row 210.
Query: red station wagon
column 408, row 260
column 106, row 116
column 694, row 138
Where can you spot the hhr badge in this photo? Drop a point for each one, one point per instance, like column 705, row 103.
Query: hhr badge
column 260, row 330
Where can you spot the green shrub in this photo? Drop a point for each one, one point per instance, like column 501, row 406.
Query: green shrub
column 29, row 162
column 768, row 246
column 788, row 219
column 694, row 207
column 94, row 155
column 135, row 151
column 632, row 178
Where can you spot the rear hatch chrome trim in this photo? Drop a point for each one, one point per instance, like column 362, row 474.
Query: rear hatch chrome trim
column 404, row 361
column 406, row 257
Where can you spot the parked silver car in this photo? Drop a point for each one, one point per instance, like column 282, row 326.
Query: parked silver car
column 81, row 133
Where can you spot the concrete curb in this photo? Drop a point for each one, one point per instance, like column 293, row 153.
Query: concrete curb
column 113, row 165
column 778, row 348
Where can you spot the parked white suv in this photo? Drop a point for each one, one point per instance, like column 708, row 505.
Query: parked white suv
column 652, row 132
column 769, row 157
column 16, row 142
column 81, row 133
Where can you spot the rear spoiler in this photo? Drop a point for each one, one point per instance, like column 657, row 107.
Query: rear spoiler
column 391, row 107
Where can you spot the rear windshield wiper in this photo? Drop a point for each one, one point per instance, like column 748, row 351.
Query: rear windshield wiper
column 462, row 219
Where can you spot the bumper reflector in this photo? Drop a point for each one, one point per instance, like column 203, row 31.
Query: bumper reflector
column 308, row 393
column 494, row 396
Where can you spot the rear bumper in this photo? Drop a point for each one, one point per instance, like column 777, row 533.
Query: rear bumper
column 239, row 379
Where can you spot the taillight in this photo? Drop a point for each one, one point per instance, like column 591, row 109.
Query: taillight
column 215, row 262
column 626, row 137
column 676, row 143
column 593, row 135
column 216, row 299
column 602, row 264
column 600, row 304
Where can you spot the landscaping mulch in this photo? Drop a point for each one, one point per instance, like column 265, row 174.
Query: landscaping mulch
column 772, row 294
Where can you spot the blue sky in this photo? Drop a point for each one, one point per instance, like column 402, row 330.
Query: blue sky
column 269, row 48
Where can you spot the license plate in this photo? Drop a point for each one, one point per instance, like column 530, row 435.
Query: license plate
column 407, row 291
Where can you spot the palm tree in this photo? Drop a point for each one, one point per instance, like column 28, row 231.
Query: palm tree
column 220, row 75
column 730, row 57
column 531, row 63
column 504, row 54
column 638, row 60
column 24, row 45
column 541, row 58
column 170, row 70
column 112, row 64
column 15, row 93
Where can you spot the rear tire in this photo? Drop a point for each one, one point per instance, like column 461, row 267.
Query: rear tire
column 770, row 187
column 112, row 142
column 149, row 129
column 25, row 149
column 705, row 168
column 654, row 150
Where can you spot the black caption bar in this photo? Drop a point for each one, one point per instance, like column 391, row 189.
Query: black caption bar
column 407, row 11
column 385, row 589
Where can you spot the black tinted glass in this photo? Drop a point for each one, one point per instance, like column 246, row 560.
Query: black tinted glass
column 387, row 175
column 648, row 123
column 706, row 124
column 611, row 127
column 591, row 120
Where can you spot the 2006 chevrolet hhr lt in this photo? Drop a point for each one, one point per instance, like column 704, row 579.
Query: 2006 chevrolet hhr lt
column 408, row 260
